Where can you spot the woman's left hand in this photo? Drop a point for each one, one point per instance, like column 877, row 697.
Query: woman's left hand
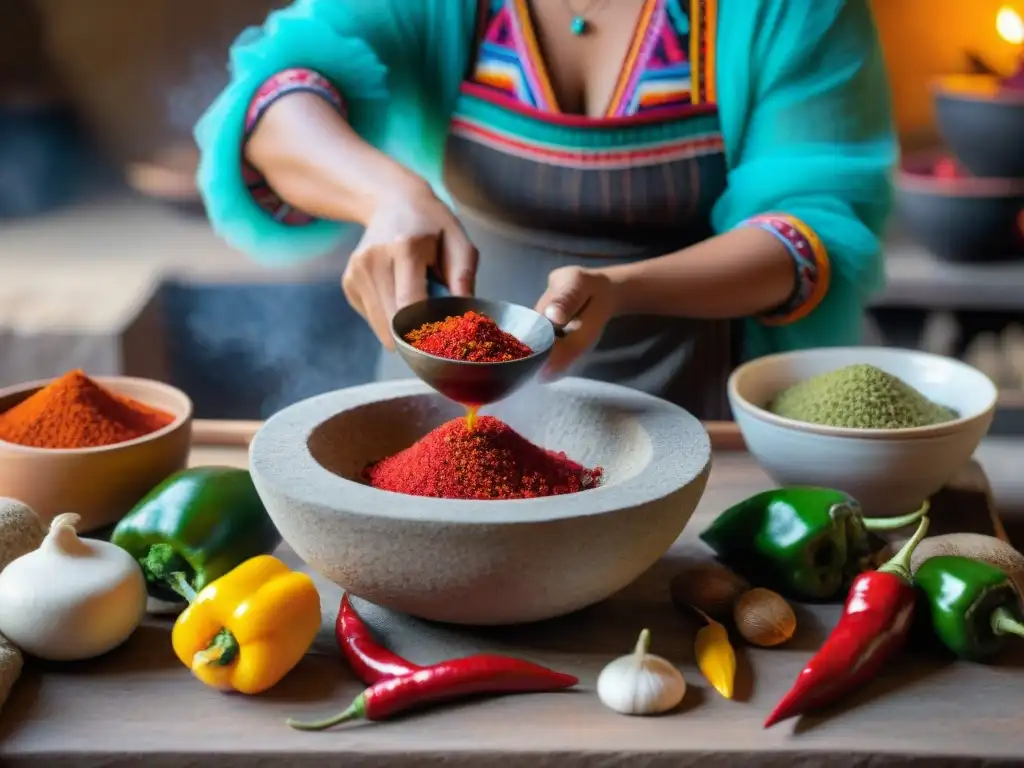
column 581, row 301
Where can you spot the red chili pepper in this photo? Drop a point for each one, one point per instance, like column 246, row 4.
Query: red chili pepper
column 370, row 661
column 485, row 673
column 873, row 626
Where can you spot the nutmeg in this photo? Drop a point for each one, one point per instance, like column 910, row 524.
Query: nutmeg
column 764, row 618
column 709, row 587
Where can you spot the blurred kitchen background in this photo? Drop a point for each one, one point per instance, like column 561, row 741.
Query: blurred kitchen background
column 107, row 263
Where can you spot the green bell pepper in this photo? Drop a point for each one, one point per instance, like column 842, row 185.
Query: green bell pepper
column 804, row 542
column 198, row 524
column 970, row 606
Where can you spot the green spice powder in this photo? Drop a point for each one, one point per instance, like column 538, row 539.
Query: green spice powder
column 860, row 397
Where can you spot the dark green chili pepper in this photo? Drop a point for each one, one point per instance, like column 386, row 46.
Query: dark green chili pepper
column 202, row 522
column 805, row 542
column 970, row 606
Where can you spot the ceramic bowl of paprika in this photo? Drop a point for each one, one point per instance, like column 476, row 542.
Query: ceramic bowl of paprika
column 100, row 484
column 889, row 471
column 491, row 562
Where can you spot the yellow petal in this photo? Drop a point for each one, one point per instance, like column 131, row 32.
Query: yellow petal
column 716, row 657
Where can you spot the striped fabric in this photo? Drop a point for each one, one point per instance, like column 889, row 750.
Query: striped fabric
column 508, row 59
column 656, row 73
column 611, row 144
column 649, row 178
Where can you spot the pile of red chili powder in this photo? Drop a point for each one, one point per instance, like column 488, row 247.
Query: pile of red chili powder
column 472, row 337
column 492, row 461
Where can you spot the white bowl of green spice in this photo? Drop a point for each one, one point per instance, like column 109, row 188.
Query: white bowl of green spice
column 889, row 426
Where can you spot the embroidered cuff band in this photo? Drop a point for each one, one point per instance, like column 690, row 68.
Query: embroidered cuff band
column 281, row 84
column 810, row 260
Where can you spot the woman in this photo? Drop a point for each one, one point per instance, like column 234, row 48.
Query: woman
column 649, row 170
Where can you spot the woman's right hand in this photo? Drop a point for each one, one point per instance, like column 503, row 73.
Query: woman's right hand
column 408, row 235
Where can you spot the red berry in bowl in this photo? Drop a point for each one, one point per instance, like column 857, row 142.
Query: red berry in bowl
column 946, row 168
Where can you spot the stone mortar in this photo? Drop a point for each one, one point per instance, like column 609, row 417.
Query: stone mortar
column 482, row 562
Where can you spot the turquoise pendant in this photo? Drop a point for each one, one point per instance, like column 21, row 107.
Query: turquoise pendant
column 579, row 25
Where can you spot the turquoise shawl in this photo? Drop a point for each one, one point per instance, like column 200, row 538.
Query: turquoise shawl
column 802, row 94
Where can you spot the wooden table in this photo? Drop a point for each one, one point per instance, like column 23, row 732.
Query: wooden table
column 139, row 707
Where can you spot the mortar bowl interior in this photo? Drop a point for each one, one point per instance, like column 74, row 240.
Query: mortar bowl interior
column 482, row 562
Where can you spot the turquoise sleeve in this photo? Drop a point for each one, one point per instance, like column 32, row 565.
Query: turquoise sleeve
column 382, row 55
column 806, row 115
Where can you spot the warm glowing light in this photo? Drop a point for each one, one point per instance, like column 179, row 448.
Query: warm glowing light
column 1010, row 25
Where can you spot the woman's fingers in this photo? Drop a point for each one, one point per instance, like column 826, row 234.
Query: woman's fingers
column 458, row 260
column 378, row 295
column 380, row 323
column 388, row 270
column 565, row 297
column 410, row 261
column 351, row 288
column 587, row 332
column 580, row 302
column 368, row 277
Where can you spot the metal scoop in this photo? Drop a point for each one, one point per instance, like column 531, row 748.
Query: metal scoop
column 467, row 383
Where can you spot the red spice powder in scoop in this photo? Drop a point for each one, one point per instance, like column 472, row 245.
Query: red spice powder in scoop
column 472, row 337
column 492, row 461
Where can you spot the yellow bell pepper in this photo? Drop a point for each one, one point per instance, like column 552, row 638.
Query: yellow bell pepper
column 249, row 628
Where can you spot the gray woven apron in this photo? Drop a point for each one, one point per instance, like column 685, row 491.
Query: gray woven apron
column 528, row 218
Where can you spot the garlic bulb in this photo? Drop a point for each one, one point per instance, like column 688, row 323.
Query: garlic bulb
column 641, row 683
column 71, row 598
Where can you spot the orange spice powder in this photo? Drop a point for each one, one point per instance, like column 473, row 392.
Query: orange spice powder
column 76, row 412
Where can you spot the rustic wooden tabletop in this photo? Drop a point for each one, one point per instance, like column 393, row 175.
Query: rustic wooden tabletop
column 138, row 706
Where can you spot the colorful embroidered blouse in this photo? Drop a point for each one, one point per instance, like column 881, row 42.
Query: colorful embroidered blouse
column 655, row 73
column 656, row 79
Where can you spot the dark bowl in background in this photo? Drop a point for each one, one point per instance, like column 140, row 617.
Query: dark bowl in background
column 983, row 124
column 960, row 219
